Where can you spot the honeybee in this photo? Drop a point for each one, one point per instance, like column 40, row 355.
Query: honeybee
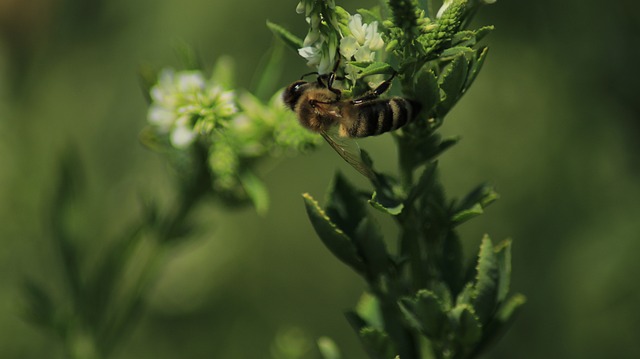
column 319, row 107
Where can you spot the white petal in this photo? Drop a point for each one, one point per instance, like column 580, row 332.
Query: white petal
column 357, row 29
column 348, row 46
column 160, row 117
column 189, row 81
column 182, row 137
column 363, row 54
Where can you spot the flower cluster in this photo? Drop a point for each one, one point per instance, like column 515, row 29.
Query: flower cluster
column 333, row 28
column 233, row 129
column 185, row 105
column 362, row 42
column 321, row 43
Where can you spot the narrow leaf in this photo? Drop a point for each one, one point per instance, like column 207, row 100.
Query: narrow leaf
column 376, row 68
column 486, row 281
column 503, row 256
column 476, row 66
column 386, row 205
column 287, row 37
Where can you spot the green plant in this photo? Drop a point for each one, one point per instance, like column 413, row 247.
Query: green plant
column 423, row 301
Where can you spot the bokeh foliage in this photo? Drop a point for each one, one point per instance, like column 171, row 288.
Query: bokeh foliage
column 552, row 123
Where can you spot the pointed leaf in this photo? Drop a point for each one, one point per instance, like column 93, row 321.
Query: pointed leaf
column 474, row 203
column 376, row 68
column 457, row 51
column 486, row 281
column 476, row 66
column 464, row 38
column 483, row 31
column 333, row 238
column 287, row 37
column 451, row 83
column 345, row 207
column 386, row 205
column 503, row 256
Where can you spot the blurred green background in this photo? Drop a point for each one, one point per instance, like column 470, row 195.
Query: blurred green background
column 553, row 121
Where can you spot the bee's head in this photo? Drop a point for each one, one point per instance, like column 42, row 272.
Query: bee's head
column 292, row 94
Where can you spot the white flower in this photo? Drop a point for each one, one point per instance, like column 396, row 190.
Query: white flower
column 183, row 134
column 363, row 41
column 185, row 105
column 317, row 56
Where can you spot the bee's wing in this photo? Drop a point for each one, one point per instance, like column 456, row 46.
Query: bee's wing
column 350, row 155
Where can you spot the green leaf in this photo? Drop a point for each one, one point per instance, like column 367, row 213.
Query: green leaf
column 486, row 286
column 386, row 205
column 424, row 312
column 333, row 238
column 426, row 89
column 468, row 329
column 501, row 321
column 474, row 203
column 464, row 38
column 288, row 38
column 483, row 31
column 371, row 247
column 346, row 207
column 476, row 66
column 451, row 83
column 256, row 190
column 503, row 256
column 467, row 214
column 375, row 68
column 457, row 51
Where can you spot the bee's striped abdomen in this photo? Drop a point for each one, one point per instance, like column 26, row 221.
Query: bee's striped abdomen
column 380, row 116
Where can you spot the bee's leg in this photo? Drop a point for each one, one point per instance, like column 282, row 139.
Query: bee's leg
column 376, row 92
column 332, row 77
